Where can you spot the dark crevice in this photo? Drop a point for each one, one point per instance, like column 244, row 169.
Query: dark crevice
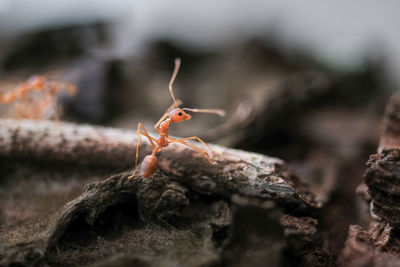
column 110, row 225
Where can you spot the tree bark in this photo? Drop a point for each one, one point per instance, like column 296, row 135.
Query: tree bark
column 235, row 171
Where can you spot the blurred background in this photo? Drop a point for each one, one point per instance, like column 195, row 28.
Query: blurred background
column 306, row 82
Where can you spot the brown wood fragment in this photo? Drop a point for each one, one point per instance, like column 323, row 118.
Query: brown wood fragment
column 166, row 198
column 383, row 180
column 305, row 246
column 382, row 176
column 390, row 137
column 380, row 245
column 84, row 145
column 236, row 171
column 250, row 242
column 157, row 199
column 383, row 172
column 361, row 249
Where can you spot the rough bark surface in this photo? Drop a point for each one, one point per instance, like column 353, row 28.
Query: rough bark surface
column 379, row 245
column 305, row 246
column 391, row 125
column 382, row 176
column 236, row 171
column 187, row 211
column 362, row 249
column 383, row 180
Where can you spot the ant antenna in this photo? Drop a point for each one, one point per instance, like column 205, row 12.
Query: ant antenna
column 218, row 112
column 176, row 69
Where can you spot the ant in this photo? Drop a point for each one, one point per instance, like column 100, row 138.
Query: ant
column 174, row 114
column 36, row 98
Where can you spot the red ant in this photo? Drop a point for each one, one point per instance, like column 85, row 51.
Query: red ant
column 173, row 114
column 37, row 97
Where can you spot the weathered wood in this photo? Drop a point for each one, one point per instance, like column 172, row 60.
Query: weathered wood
column 85, row 145
column 379, row 244
column 383, row 180
column 248, row 235
column 305, row 245
column 153, row 199
column 382, row 176
column 363, row 248
column 235, row 171
column 390, row 137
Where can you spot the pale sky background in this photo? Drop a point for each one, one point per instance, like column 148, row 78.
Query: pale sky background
column 341, row 32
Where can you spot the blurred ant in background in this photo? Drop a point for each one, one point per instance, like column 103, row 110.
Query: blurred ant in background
column 37, row 98
column 173, row 114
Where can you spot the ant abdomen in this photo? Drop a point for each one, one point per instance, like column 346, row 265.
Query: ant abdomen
column 149, row 165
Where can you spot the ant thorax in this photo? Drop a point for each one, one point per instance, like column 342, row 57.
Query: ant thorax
column 164, row 127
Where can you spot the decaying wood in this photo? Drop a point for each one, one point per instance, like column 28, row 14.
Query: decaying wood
column 379, row 245
column 174, row 196
column 382, row 176
column 390, row 137
column 241, row 233
column 249, row 242
column 134, row 205
column 85, row 145
column 305, row 245
column 362, row 248
column 236, row 171
column 153, row 199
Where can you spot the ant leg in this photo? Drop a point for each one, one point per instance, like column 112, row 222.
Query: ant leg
column 138, row 141
column 19, row 112
column 181, row 141
column 56, row 115
column 163, row 117
column 151, row 139
column 11, row 96
column 145, row 133
column 201, row 141
column 23, row 110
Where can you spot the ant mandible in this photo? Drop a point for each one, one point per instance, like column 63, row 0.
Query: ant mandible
column 173, row 114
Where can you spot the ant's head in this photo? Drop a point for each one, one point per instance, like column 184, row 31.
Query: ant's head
column 178, row 115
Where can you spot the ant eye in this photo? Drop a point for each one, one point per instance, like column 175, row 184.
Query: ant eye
column 180, row 113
